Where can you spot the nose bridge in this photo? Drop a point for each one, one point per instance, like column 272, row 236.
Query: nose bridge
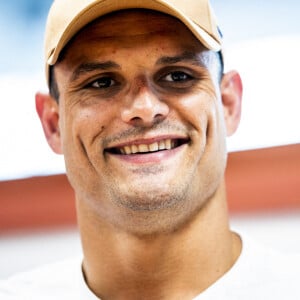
column 143, row 103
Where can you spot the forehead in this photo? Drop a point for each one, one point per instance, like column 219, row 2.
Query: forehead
column 131, row 25
column 148, row 21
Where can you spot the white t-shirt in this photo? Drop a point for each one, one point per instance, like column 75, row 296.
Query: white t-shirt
column 258, row 274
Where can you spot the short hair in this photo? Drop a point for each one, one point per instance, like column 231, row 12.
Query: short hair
column 53, row 87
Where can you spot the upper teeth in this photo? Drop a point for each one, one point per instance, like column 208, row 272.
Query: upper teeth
column 142, row 148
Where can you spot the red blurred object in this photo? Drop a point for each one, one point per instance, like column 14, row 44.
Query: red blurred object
column 257, row 181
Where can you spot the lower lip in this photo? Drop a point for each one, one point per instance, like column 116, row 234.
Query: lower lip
column 154, row 157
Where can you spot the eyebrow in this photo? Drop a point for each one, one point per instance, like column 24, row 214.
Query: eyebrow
column 84, row 68
column 190, row 57
column 93, row 66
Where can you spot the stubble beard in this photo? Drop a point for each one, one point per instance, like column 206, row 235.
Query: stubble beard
column 154, row 211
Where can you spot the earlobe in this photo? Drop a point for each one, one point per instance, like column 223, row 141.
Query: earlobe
column 231, row 92
column 47, row 109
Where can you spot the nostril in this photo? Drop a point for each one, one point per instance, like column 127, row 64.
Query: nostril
column 137, row 121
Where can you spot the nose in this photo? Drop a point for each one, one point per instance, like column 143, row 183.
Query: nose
column 144, row 108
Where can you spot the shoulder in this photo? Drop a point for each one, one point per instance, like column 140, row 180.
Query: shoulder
column 265, row 272
column 258, row 256
column 259, row 273
column 55, row 281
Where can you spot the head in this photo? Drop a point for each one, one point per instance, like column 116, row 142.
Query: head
column 140, row 115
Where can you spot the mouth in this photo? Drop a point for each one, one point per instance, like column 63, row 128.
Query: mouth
column 146, row 148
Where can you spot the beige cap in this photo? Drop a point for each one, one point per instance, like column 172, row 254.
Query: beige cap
column 68, row 17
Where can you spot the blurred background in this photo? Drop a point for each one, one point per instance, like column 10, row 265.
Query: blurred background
column 262, row 41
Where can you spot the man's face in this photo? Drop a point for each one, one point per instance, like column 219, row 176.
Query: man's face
column 140, row 120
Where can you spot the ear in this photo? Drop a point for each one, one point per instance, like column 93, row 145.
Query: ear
column 231, row 92
column 47, row 109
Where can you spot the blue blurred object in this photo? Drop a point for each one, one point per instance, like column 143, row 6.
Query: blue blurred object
column 21, row 34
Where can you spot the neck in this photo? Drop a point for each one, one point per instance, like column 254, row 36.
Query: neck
column 173, row 265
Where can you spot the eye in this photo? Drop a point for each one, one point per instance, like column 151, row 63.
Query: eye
column 177, row 76
column 103, row 83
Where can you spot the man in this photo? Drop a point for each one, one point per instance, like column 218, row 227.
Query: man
column 140, row 108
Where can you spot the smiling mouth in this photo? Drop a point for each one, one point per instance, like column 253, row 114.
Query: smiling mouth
column 163, row 145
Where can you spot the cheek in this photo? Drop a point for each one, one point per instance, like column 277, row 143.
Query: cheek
column 83, row 128
column 197, row 110
column 204, row 114
column 80, row 127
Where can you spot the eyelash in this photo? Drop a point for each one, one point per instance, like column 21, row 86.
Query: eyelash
column 104, row 80
column 177, row 74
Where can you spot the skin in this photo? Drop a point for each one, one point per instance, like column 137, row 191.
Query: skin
column 153, row 226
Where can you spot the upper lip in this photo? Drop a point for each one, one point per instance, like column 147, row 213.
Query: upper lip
column 148, row 145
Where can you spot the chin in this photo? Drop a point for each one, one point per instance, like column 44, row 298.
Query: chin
column 147, row 224
column 155, row 199
column 153, row 213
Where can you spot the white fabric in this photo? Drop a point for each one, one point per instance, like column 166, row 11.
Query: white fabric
column 60, row 281
column 258, row 274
